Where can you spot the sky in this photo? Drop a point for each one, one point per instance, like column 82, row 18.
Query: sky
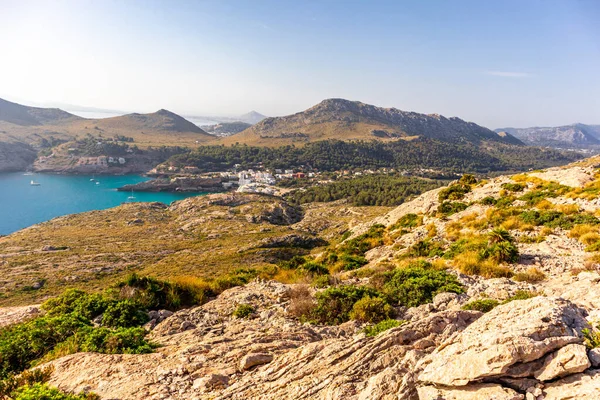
column 497, row 63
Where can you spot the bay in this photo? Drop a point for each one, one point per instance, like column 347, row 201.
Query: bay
column 23, row 205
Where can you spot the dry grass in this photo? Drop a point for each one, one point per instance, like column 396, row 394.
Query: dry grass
column 583, row 229
column 302, row 302
column 532, row 275
column 469, row 263
column 589, row 238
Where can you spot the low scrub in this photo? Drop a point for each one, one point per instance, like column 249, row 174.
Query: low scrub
column 335, row 304
column 414, row 286
column 243, row 311
column 531, row 275
column 374, row 330
column 483, row 305
column 371, row 310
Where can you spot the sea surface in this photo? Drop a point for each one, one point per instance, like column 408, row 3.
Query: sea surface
column 23, row 205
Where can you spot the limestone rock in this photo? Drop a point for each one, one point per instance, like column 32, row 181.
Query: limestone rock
column 517, row 332
column 482, row 391
column 254, row 359
column 594, row 356
column 580, row 386
column 568, row 360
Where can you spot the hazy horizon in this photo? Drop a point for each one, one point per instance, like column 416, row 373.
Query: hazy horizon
column 508, row 64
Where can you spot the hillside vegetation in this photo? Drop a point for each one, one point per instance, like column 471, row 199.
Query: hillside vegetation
column 480, row 289
column 335, row 155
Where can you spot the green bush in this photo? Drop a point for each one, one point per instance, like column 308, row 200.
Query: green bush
column 521, row 295
column 513, row 187
column 414, row 286
column 243, row 311
column 76, row 301
column 153, row 293
column 23, row 343
column 365, row 242
column 454, row 192
column 468, row 179
column 425, row 248
column 448, row 208
column 374, row 330
column 335, row 303
column 11, row 383
column 501, row 252
column 351, row 261
column 371, row 309
column 407, row 221
column 592, row 337
column 483, row 305
column 40, row 391
column 314, row 268
column 112, row 341
column 124, row 314
column 488, row 201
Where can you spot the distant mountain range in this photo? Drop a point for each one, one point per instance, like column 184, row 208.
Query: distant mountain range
column 578, row 136
column 352, row 120
column 31, row 124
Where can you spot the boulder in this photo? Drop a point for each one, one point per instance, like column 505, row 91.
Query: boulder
column 482, row 391
column 568, row 360
column 579, row 386
column 254, row 359
column 517, row 332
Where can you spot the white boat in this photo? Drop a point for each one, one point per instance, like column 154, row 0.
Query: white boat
column 132, row 197
column 28, row 173
column 97, row 183
column 32, row 183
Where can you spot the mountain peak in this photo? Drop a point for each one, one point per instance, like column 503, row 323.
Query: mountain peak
column 337, row 118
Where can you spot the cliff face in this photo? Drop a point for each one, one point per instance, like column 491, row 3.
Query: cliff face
column 16, row 156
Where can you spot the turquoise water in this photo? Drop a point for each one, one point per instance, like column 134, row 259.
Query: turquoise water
column 22, row 205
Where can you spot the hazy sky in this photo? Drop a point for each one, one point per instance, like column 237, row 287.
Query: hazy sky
column 497, row 63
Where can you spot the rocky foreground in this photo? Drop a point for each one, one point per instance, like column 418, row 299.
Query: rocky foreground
column 536, row 348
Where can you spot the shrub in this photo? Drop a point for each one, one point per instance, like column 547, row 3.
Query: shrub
column 502, row 252
column 113, row 341
column 28, row 377
column 579, row 230
column 454, row 192
column 335, row 303
column 407, row 221
column 365, row 242
column 483, row 305
column 371, row 309
column 468, row 179
column 302, row 303
column 314, row 268
column 243, row 311
column 414, row 286
column 589, row 238
column 513, row 187
column 321, row 281
column 425, row 248
column 152, row 293
column 21, row 344
column 448, row 208
column 488, row 201
column 76, row 301
column 521, row 295
column 374, row 330
column 532, row 275
column 591, row 337
column 41, row 391
column 124, row 314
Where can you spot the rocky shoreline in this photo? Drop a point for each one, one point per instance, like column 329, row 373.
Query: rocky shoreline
column 177, row 184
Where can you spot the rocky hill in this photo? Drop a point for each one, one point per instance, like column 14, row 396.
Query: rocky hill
column 252, row 117
column 24, row 115
column 346, row 120
column 479, row 290
column 578, row 136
